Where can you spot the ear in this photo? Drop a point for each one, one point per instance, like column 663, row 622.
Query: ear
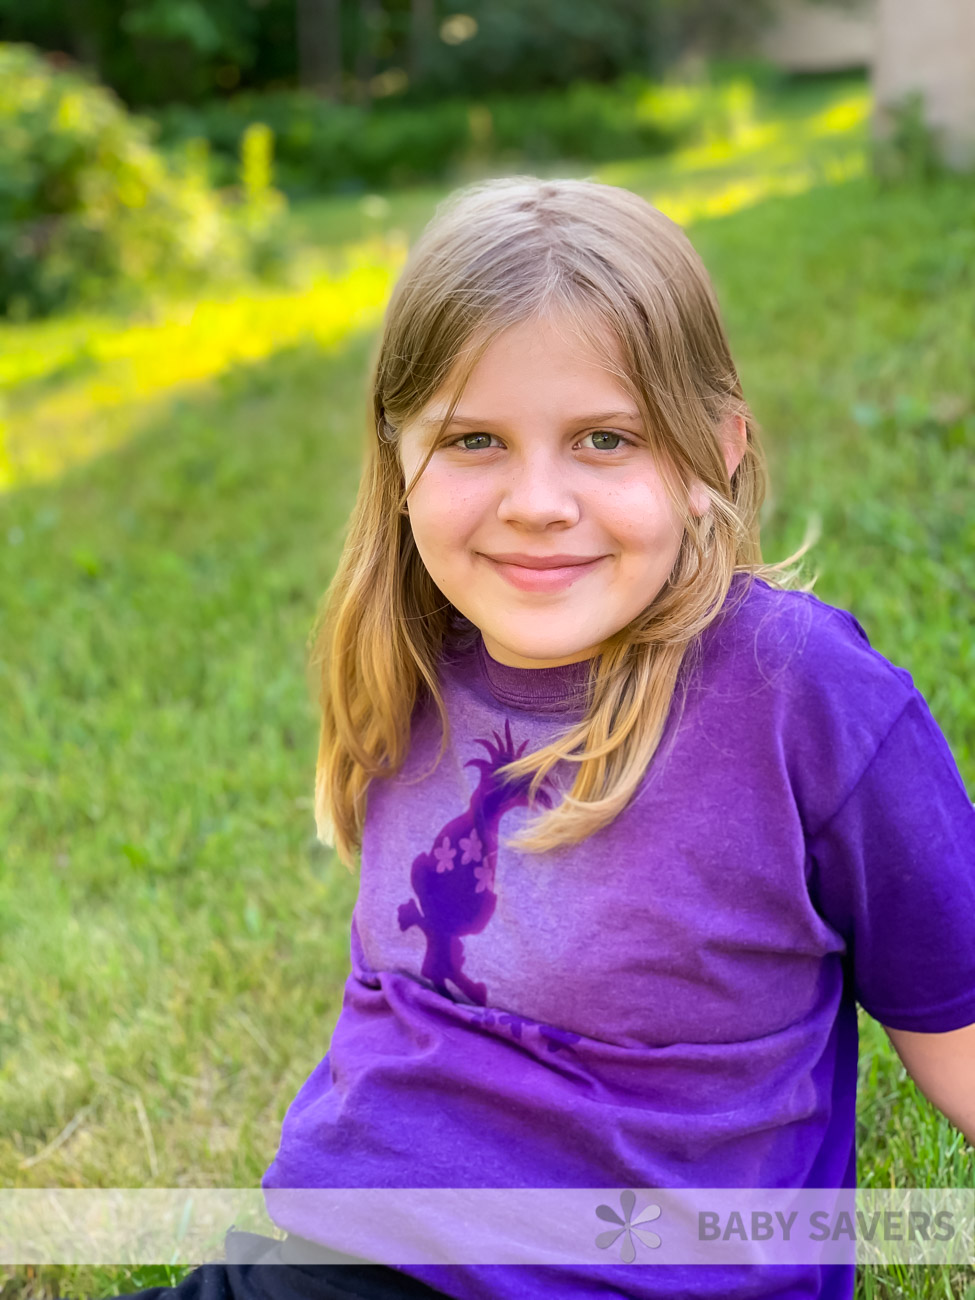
column 734, row 438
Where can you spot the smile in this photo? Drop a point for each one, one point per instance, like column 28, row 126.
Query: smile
column 526, row 579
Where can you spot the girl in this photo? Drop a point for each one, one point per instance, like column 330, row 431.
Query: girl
column 640, row 819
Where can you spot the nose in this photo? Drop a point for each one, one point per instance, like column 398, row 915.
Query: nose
column 537, row 491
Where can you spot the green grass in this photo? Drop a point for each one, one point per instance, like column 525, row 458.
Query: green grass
column 174, row 941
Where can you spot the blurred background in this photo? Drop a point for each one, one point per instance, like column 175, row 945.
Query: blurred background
column 203, row 209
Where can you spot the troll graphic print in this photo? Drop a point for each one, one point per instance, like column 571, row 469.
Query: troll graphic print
column 454, row 880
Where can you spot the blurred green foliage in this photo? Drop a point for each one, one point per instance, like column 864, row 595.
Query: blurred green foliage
column 152, row 51
column 323, row 147
column 91, row 210
column 911, row 151
column 155, row 52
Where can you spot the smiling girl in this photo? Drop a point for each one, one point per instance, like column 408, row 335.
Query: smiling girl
column 641, row 822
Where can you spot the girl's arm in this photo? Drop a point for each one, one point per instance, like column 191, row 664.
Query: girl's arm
column 943, row 1067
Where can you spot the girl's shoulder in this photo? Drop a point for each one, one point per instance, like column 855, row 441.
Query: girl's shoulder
column 802, row 643
column 802, row 676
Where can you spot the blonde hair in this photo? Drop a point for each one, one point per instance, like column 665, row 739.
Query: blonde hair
column 498, row 253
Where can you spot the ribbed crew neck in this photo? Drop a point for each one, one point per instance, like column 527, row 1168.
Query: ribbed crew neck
column 545, row 690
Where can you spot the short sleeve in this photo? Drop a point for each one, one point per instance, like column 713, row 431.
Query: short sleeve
column 893, row 871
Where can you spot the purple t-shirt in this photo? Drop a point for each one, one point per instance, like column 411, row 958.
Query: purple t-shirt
column 672, row 1002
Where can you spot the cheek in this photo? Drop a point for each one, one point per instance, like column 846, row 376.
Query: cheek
column 640, row 513
column 447, row 504
column 442, row 521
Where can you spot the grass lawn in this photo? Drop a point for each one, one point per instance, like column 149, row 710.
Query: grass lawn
column 174, row 941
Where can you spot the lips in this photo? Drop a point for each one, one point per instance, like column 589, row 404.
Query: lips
column 534, row 577
column 543, row 561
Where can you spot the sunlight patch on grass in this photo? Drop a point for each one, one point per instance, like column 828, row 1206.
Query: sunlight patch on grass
column 781, row 138
column 783, row 156
column 72, row 389
column 847, row 115
column 717, row 152
column 684, row 207
column 704, row 199
column 87, row 392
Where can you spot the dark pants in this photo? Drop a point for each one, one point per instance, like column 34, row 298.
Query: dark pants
column 261, row 1268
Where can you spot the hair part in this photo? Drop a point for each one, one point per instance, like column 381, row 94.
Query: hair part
column 496, row 254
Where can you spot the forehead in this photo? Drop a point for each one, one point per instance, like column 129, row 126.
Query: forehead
column 549, row 362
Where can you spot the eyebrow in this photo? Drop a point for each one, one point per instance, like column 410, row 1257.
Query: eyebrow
column 593, row 418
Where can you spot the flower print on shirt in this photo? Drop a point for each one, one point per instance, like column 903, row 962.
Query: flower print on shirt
column 445, row 856
column 471, row 844
column 484, row 875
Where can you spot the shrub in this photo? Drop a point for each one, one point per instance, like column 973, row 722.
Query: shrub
column 324, row 147
column 90, row 209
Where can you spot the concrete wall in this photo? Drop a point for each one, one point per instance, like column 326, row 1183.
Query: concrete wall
column 909, row 45
column 821, row 37
column 929, row 46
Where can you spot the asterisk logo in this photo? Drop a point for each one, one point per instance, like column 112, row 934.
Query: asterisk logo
column 628, row 1226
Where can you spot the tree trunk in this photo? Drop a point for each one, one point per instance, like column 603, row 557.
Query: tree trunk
column 421, row 38
column 320, row 46
column 928, row 49
column 370, row 18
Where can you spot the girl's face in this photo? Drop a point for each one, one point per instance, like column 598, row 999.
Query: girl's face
column 544, row 460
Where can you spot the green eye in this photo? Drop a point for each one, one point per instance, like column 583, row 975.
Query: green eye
column 464, row 436
column 608, row 433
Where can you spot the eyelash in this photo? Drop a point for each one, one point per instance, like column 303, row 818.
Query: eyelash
column 629, row 442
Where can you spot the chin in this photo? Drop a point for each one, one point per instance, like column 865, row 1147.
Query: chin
column 539, row 656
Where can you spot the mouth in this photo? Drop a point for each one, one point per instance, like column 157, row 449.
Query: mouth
column 529, row 578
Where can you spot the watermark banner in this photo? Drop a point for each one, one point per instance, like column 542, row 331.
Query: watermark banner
column 686, row 1226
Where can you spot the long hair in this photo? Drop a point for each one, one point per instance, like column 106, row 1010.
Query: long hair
column 498, row 253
